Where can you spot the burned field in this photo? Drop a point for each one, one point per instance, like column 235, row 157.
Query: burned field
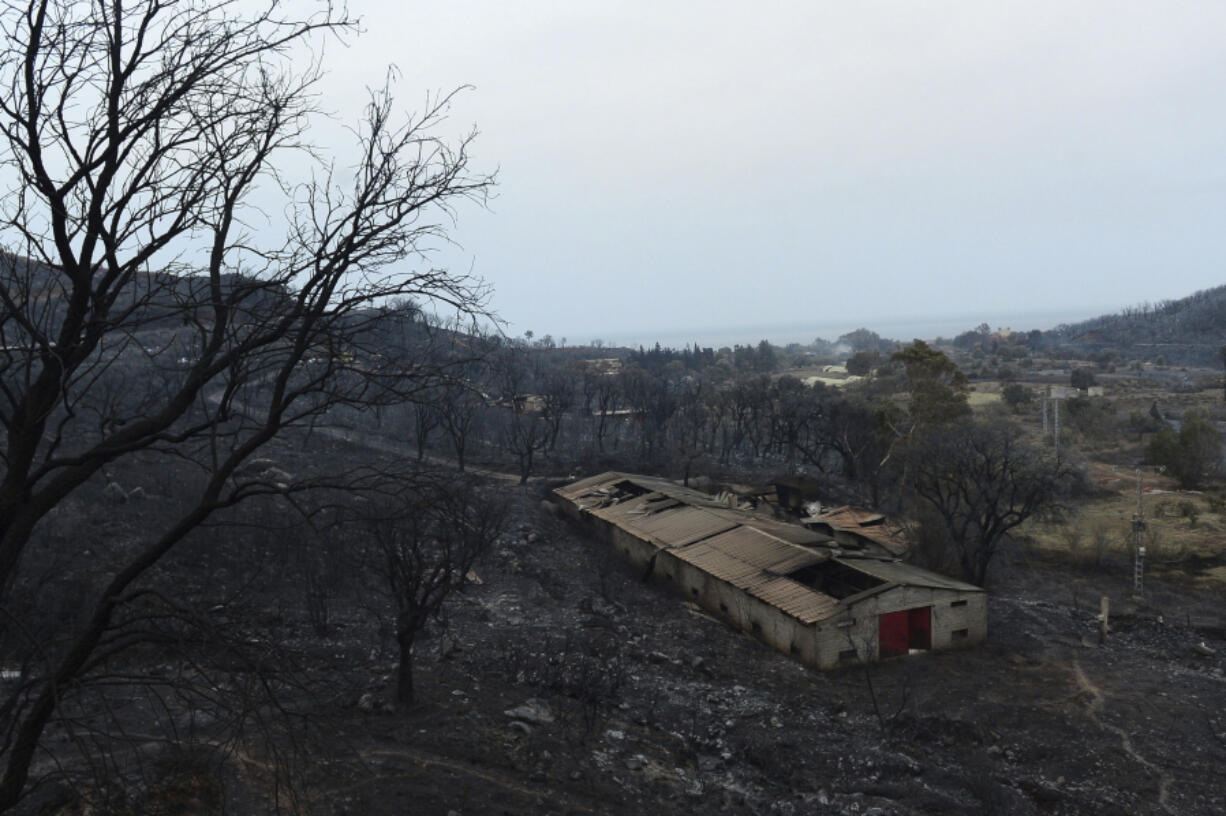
column 561, row 680
column 565, row 684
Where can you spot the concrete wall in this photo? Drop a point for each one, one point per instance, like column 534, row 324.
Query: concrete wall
column 958, row 619
column 765, row 622
column 634, row 549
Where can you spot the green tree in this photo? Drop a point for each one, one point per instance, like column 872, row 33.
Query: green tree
column 1193, row 455
column 766, row 360
column 1082, row 378
column 1016, row 396
column 863, row 340
column 862, row 362
column 938, row 390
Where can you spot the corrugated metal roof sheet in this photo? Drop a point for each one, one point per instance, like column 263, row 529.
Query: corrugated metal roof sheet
column 576, row 489
column 848, row 516
column 718, row 563
column 906, row 574
column 606, row 483
column 620, row 512
column 680, row 526
column 764, row 551
column 786, row 531
column 893, row 539
column 798, row 600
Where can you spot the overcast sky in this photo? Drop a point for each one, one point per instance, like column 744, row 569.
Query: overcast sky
column 705, row 167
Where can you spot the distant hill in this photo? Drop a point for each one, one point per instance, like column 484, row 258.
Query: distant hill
column 1188, row 330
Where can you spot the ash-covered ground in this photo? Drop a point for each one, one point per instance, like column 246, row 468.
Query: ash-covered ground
column 563, row 684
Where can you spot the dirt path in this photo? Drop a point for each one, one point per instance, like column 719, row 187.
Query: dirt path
column 506, row 781
column 1096, row 703
column 387, row 446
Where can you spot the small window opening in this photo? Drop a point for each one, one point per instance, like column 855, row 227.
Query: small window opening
column 757, row 627
column 847, row 656
column 959, row 634
column 693, row 590
column 723, row 607
column 794, row 648
column 958, row 603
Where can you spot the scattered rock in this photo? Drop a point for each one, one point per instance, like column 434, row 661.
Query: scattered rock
column 256, row 466
column 521, row 727
column 636, row 762
column 137, row 494
column 534, row 711
column 598, row 606
column 1201, row 648
column 115, row 493
column 277, row 476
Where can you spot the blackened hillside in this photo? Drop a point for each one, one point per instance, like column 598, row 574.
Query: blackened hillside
column 1188, row 330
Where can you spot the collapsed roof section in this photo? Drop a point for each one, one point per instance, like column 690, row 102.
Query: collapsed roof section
column 849, row 525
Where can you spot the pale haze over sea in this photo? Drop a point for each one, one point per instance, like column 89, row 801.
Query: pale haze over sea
column 781, row 334
column 790, row 170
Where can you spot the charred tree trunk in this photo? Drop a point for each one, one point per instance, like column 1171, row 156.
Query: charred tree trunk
column 404, row 672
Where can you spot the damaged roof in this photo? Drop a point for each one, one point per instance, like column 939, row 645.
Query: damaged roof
column 868, row 525
column 670, row 524
column 755, row 553
column 895, row 573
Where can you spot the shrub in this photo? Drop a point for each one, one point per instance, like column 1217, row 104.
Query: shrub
column 1016, row 396
column 1193, row 455
column 1082, row 378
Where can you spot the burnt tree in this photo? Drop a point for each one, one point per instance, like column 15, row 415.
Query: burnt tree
column 136, row 138
column 981, row 481
column 425, row 549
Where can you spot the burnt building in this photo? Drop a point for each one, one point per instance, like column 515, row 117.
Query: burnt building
column 827, row 599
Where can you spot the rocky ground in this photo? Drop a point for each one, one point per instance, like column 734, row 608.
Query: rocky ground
column 565, row 685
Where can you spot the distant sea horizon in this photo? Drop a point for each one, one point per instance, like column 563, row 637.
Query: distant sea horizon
column 904, row 329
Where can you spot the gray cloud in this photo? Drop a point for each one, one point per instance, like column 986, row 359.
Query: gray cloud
column 686, row 164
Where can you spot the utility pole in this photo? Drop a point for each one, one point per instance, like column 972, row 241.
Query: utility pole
column 1056, row 409
column 1054, row 401
column 1138, row 545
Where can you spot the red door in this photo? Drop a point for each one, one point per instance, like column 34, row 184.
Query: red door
column 905, row 630
column 919, row 621
column 894, row 638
